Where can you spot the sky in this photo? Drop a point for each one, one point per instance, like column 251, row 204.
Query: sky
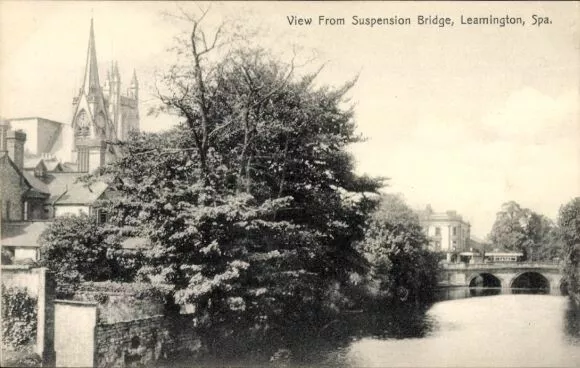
column 463, row 118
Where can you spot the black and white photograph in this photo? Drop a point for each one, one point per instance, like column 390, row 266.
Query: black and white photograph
column 290, row 184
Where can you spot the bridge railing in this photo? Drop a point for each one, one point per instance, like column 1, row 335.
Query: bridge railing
column 501, row 265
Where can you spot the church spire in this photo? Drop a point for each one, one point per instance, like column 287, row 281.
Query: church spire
column 134, row 79
column 91, row 81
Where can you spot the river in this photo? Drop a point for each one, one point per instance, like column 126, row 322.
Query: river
column 464, row 329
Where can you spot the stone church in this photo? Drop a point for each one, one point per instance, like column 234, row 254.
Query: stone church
column 101, row 115
column 41, row 159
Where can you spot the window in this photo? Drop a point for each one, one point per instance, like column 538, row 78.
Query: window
column 102, row 216
column 8, row 210
column 83, row 159
column 454, row 230
column 25, row 209
column 39, row 172
column 437, row 231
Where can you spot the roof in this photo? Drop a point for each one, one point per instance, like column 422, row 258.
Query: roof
column 22, row 234
column 5, row 157
column 52, row 165
column 81, row 193
column 37, row 184
column 70, row 167
column 64, row 189
column 504, row 254
column 33, row 162
column 32, row 118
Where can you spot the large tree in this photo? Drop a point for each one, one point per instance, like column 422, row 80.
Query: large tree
column 395, row 247
column 251, row 204
column 523, row 230
column 569, row 229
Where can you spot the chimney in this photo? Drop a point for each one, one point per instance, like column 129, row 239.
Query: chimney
column 15, row 147
column 4, row 127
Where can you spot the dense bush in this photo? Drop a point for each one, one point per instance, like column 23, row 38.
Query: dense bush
column 569, row 228
column 401, row 269
column 20, row 359
column 19, row 318
column 78, row 249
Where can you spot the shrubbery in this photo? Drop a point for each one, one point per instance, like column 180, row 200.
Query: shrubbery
column 78, row 249
column 569, row 226
column 19, row 318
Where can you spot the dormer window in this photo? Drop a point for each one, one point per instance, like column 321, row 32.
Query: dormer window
column 39, row 172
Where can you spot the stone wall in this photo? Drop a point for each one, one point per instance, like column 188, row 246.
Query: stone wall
column 40, row 284
column 145, row 341
column 119, row 302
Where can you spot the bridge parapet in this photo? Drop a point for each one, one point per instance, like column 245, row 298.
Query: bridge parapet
column 501, row 266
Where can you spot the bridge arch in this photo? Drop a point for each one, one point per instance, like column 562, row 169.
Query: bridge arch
column 484, row 279
column 530, row 280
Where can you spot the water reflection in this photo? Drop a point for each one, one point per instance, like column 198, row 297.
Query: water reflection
column 463, row 292
column 466, row 327
column 572, row 323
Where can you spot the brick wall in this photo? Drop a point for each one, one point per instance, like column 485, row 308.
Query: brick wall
column 145, row 341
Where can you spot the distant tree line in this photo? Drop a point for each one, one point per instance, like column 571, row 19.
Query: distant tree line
column 522, row 230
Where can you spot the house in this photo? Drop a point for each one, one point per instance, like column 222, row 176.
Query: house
column 42, row 161
column 447, row 231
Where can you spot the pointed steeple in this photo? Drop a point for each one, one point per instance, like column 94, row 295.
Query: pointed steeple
column 91, row 80
column 134, row 86
column 134, row 81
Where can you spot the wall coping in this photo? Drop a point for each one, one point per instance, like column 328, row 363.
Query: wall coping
column 17, row 267
column 76, row 302
column 157, row 316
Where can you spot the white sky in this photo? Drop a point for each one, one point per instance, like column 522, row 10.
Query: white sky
column 463, row 118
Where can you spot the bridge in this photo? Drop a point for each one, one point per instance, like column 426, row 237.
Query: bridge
column 504, row 275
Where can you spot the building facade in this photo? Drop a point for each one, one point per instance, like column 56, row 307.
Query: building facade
column 447, row 231
column 41, row 159
column 102, row 115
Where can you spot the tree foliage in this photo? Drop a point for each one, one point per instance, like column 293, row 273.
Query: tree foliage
column 251, row 204
column 78, row 249
column 395, row 247
column 522, row 230
column 19, row 319
column 569, row 226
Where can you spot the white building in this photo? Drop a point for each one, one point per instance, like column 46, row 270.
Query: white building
column 447, row 231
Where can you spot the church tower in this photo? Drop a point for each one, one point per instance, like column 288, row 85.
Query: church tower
column 102, row 115
column 90, row 124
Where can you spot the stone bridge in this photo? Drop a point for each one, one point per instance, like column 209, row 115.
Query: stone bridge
column 505, row 275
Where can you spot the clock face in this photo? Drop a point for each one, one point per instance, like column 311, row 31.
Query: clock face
column 82, row 119
column 82, row 124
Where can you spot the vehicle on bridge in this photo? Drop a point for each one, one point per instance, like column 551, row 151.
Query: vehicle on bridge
column 490, row 257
